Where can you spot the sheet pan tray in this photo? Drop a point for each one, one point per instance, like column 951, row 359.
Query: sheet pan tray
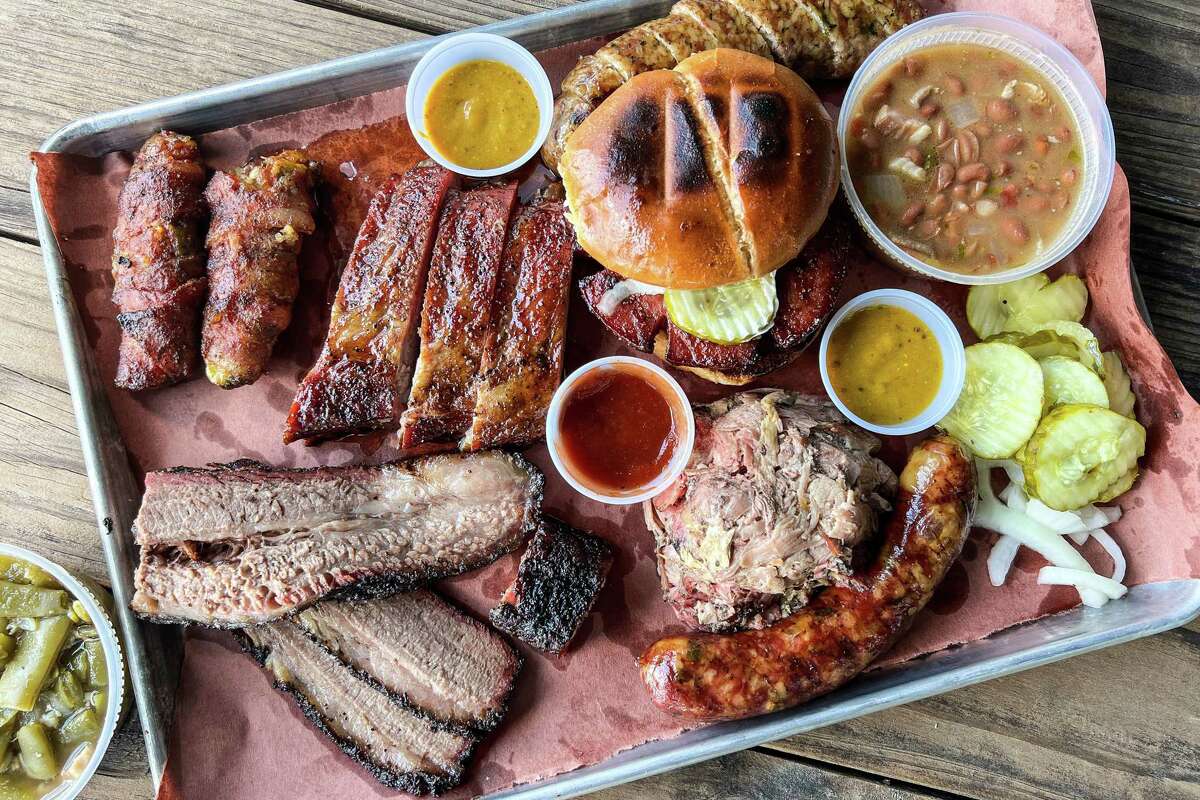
column 1148, row 609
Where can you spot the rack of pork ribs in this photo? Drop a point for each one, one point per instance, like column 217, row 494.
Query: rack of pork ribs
column 449, row 320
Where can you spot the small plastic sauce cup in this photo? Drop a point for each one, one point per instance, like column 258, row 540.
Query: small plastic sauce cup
column 1045, row 56
column 682, row 416
column 954, row 358
column 475, row 47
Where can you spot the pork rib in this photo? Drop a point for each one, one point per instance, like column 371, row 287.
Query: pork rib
column 361, row 380
column 456, row 318
column 432, row 657
column 245, row 543
column 401, row 748
column 523, row 363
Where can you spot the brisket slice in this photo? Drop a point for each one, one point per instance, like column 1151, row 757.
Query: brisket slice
column 457, row 315
column 245, row 543
column 557, row 582
column 402, row 749
column 432, row 657
column 361, row 379
column 522, row 365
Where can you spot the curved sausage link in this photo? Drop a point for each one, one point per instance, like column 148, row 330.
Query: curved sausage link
column 716, row 677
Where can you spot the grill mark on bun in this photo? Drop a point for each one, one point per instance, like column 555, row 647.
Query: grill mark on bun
column 688, row 169
column 635, row 156
column 763, row 117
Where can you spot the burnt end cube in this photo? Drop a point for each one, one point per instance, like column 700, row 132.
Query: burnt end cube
column 557, row 582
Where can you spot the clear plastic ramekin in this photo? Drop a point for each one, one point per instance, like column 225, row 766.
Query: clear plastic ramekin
column 113, row 662
column 453, row 51
column 954, row 358
column 681, row 409
column 1052, row 61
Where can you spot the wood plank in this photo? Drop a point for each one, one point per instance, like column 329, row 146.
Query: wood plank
column 755, row 775
column 1116, row 723
column 16, row 213
column 443, row 16
column 70, row 59
column 1164, row 253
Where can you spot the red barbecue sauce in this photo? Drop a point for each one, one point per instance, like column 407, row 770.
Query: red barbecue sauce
column 618, row 429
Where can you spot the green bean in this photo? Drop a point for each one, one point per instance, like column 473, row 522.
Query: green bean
column 13, row 788
column 97, row 666
column 78, row 663
column 36, row 654
column 19, row 600
column 68, row 690
column 37, row 754
column 78, row 613
column 82, row 726
column 99, row 701
column 7, row 645
column 18, row 571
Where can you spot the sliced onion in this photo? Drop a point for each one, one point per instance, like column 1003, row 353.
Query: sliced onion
column 997, row 517
column 1061, row 521
column 1080, row 538
column 1014, row 497
column 885, row 189
column 1114, row 552
column 1001, row 558
column 1099, row 516
column 1081, row 580
column 621, row 292
column 963, row 113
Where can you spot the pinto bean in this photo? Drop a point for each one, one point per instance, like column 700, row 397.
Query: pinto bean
column 976, row 189
column 871, row 139
column 944, row 177
column 858, row 125
column 1009, row 143
column 976, row 171
column 914, row 155
column 878, row 96
column 1035, row 204
column 1059, row 200
column 1069, row 177
column 937, row 205
column 912, row 212
column 1014, row 229
column 928, row 109
column 982, row 130
column 941, row 130
column 1001, row 169
column 1008, row 195
column 966, row 147
column 1063, row 133
column 1001, row 110
column 1041, row 145
column 913, row 66
column 955, row 86
column 959, row 192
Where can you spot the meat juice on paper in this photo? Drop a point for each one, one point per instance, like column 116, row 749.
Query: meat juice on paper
column 584, row 706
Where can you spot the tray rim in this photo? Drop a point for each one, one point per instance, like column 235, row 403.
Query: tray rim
column 114, row 494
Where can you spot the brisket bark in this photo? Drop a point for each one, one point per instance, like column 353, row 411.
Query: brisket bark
column 557, row 582
column 246, row 543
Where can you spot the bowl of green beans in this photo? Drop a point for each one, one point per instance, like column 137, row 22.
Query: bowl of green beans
column 62, row 678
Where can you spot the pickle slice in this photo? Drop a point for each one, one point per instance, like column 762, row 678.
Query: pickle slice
column 1068, row 381
column 1118, row 487
column 730, row 314
column 1082, row 454
column 1116, row 383
column 1001, row 400
column 1062, row 338
column 1025, row 304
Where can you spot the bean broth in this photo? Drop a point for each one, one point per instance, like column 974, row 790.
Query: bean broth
column 966, row 158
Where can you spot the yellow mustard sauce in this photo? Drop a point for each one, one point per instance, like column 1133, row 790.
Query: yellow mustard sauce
column 885, row 364
column 481, row 114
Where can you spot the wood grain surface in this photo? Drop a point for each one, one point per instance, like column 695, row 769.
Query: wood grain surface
column 1120, row 723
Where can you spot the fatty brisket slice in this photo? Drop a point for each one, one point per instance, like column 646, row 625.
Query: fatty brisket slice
column 434, row 658
column 245, row 543
column 401, row 748
column 557, row 583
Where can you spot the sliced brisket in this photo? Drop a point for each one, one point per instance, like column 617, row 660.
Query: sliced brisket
column 433, row 657
column 557, row 582
column 401, row 748
column 246, row 543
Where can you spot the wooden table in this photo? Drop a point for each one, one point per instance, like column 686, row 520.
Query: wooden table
column 1124, row 722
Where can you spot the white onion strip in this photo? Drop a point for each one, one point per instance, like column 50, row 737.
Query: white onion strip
column 1083, row 581
column 1001, row 558
column 1114, row 552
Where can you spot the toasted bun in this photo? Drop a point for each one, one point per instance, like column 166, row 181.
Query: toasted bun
column 714, row 172
column 710, row 375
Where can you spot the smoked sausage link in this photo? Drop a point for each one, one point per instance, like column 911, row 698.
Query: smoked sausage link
column 729, row 676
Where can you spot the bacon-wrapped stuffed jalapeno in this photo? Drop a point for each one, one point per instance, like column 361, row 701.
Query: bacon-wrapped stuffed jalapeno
column 261, row 213
column 158, row 263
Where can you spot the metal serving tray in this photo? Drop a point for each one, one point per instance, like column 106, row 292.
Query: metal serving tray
column 1146, row 610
